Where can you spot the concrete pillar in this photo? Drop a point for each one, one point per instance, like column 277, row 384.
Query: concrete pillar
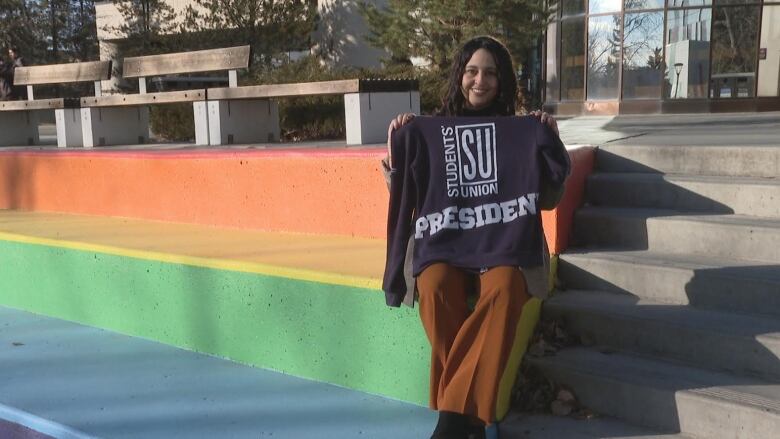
column 69, row 127
column 201, row 113
column 110, row 52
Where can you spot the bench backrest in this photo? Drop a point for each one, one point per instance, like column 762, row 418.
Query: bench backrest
column 63, row 73
column 230, row 58
column 94, row 71
column 341, row 86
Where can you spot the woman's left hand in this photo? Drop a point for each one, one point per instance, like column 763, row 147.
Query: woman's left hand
column 546, row 119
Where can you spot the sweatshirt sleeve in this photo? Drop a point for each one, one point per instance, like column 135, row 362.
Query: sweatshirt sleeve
column 555, row 166
column 403, row 199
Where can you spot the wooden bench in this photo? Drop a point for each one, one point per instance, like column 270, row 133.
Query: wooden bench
column 235, row 114
column 124, row 118
column 249, row 114
column 19, row 119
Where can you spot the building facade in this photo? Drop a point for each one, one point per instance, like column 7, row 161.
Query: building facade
column 663, row 56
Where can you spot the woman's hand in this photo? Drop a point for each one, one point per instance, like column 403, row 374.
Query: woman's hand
column 546, row 119
column 399, row 121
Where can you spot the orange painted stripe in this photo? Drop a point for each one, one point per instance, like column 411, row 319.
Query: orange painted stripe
column 558, row 222
column 329, row 191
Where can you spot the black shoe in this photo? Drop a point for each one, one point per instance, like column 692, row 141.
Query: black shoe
column 451, row 426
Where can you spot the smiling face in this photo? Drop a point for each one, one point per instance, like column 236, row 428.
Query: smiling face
column 480, row 80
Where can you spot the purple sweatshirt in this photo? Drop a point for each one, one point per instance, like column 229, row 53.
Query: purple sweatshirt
column 467, row 189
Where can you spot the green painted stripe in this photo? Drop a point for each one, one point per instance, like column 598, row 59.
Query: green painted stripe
column 334, row 333
column 221, row 264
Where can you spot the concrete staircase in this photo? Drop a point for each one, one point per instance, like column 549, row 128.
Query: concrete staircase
column 673, row 287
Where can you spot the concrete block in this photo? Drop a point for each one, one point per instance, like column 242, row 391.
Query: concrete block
column 18, row 128
column 115, row 126
column 368, row 115
column 243, row 121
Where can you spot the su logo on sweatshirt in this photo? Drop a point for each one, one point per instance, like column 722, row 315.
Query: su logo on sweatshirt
column 470, row 160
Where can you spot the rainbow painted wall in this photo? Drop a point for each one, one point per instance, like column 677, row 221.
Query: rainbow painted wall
column 267, row 257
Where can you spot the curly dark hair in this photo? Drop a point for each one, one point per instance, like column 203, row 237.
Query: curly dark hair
column 506, row 99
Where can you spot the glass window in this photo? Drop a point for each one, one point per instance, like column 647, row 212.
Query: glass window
column 643, row 62
column 688, row 3
column 573, row 59
column 573, row 7
column 687, row 53
column 734, row 50
column 552, row 63
column 769, row 53
column 603, row 56
column 601, row 6
column 639, row 5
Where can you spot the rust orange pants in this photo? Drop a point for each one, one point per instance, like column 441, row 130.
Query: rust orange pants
column 475, row 354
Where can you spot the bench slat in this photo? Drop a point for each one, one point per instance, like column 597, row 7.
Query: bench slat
column 166, row 97
column 42, row 104
column 313, row 89
column 63, row 73
column 286, row 90
column 187, row 62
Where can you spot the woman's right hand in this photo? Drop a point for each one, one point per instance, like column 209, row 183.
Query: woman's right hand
column 399, row 121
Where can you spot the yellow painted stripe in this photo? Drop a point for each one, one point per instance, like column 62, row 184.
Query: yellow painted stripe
column 525, row 329
column 220, row 264
column 553, row 278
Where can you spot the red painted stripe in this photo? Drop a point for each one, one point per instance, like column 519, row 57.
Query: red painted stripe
column 316, row 152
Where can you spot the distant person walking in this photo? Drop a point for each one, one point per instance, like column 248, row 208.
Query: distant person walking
column 5, row 81
column 7, row 90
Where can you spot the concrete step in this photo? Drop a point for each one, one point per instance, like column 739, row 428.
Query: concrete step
column 734, row 161
column 728, row 236
column 527, row 426
column 740, row 195
column 701, row 281
column 667, row 396
column 742, row 344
